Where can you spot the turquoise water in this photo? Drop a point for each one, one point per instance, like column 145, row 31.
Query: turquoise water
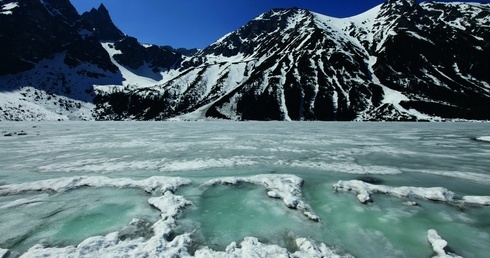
column 393, row 154
column 70, row 217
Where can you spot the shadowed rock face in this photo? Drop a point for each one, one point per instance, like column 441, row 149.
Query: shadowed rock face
column 102, row 25
column 436, row 56
column 37, row 30
column 134, row 55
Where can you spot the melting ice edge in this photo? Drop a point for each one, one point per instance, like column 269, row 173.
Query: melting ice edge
column 288, row 188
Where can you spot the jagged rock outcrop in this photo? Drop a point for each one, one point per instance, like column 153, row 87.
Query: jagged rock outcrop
column 102, row 25
column 36, row 30
column 135, row 55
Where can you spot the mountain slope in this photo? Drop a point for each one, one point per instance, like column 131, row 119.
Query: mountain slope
column 398, row 61
column 51, row 58
column 282, row 65
column 436, row 54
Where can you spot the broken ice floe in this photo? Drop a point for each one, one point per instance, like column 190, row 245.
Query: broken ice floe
column 151, row 185
column 285, row 187
column 365, row 191
column 439, row 245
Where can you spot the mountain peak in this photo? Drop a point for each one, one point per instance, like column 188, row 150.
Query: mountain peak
column 250, row 40
column 101, row 22
column 102, row 8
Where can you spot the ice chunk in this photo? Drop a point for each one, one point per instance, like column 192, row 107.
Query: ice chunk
column 365, row 190
column 438, row 244
column 308, row 248
column 152, row 184
column 169, row 205
column 4, row 253
column 285, row 187
column 484, row 138
column 476, row 200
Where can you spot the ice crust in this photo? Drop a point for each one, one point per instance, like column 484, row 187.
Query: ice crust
column 252, row 247
column 163, row 242
column 438, row 244
column 476, row 200
column 58, row 185
column 365, row 191
column 285, row 187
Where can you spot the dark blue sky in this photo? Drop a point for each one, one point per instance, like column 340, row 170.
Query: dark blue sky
column 198, row 23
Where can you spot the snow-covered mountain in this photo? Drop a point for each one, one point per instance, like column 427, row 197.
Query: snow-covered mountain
column 51, row 58
column 398, row 61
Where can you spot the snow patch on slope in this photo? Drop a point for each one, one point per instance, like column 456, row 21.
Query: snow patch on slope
column 131, row 78
column 7, row 8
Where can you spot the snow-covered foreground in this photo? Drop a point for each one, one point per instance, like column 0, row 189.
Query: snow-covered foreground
column 244, row 189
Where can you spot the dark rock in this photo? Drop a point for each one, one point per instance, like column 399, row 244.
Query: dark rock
column 102, row 25
column 134, row 55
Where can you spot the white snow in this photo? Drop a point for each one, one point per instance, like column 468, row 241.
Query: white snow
column 7, row 8
column 414, row 34
column 365, row 190
column 169, row 204
column 484, row 138
column 252, row 247
column 51, row 91
column 476, row 200
column 438, row 244
column 285, row 187
column 4, row 253
column 142, row 77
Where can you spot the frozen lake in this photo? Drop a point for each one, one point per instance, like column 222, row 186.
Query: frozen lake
column 193, row 188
